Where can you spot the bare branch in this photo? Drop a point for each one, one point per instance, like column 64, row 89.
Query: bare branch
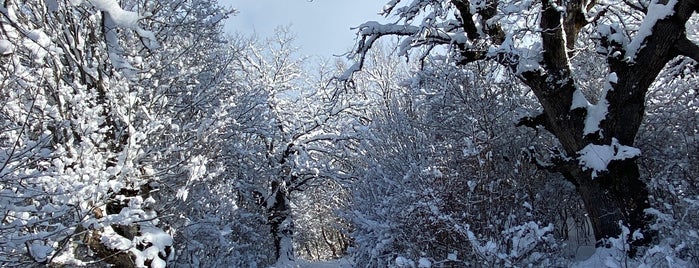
column 415, row 36
column 466, row 15
column 687, row 48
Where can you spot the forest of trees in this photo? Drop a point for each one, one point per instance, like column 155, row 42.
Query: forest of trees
column 462, row 133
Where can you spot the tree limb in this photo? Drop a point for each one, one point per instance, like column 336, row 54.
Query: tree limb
column 466, row 18
column 575, row 20
column 639, row 70
column 687, row 48
column 534, row 122
column 555, row 86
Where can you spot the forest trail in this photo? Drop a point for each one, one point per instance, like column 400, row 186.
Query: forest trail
column 339, row 263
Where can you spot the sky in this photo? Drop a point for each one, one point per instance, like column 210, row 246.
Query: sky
column 322, row 27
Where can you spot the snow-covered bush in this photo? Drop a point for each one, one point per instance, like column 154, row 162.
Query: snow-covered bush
column 525, row 244
column 445, row 172
column 669, row 142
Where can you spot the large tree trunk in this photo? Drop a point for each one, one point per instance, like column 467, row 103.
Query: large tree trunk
column 615, row 197
column 281, row 223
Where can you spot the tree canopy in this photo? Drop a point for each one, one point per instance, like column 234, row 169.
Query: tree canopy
column 461, row 133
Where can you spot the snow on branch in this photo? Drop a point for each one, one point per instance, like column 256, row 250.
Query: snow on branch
column 115, row 16
column 388, row 7
column 6, row 47
column 445, row 33
column 656, row 12
column 597, row 157
column 126, row 19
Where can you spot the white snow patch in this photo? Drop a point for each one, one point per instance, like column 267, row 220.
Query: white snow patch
column 424, row 263
column 597, row 112
column 597, row 157
column 39, row 250
column 452, row 256
column 158, row 240
column 614, row 35
column 404, row 262
column 579, row 100
column 182, row 193
column 526, row 59
column 347, row 75
column 459, row 38
column 388, row 7
column 656, row 12
column 121, row 17
column 66, row 258
column 126, row 19
column 637, row 235
column 477, row 5
column 6, row 47
column 38, row 43
column 113, row 240
column 526, row 237
column 157, row 237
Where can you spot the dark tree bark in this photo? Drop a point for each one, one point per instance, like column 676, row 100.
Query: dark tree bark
column 280, row 218
column 281, row 223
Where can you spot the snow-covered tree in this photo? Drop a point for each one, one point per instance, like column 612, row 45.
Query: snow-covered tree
column 538, row 42
column 92, row 106
column 307, row 132
column 280, row 145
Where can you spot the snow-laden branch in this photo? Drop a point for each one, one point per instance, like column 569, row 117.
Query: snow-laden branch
column 446, row 33
column 597, row 157
column 114, row 17
column 126, row 19
column 655, row 13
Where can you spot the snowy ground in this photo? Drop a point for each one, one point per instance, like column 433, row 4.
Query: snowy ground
column 340, row 263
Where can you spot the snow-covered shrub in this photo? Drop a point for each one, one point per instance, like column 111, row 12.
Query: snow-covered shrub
column 525, row 244
column 441, row 158
column 69, row 144
column 398, row 207
column 669, row 143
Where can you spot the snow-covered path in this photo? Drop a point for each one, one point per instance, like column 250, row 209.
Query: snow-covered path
column 327, row 264
column 340, row 263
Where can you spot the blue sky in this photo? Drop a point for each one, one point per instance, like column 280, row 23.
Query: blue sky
column 322, row 27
